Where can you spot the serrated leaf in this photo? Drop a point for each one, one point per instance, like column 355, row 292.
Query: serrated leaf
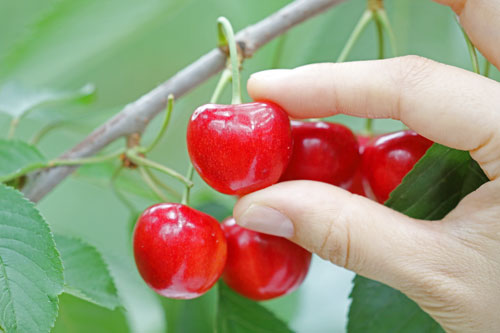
column 16, row 100
column 79, row 316
column 433, row 188
column 86, row 275
column 31, row 273
column 237, row 314
column 18, row 157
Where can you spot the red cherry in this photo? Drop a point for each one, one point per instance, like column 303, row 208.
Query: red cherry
column 322, row 151
column 241, row 148
column 356, row 186
column 261, row 266
column 179, row 251
column 388, row 158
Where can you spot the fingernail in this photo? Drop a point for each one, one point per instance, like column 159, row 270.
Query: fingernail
column 270, row 74
column 267, row 220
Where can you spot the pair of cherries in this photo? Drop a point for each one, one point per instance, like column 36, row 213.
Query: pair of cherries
column 238, row 149
column 181, row 252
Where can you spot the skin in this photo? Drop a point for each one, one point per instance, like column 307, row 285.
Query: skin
column 451, row 267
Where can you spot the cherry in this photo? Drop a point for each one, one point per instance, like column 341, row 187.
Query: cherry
column 388, row 158
column 322, row 151
column 241, row 148
column 356, row 185
column 261, row 266
column 180, row 252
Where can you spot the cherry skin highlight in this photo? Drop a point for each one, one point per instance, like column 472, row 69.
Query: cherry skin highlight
column 241, row 148
column 261, row 266
column 322, row 151
column 388, row 158
column 356, row 185
column 179, row 251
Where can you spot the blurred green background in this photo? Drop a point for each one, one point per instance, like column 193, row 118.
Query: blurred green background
column 126, row 48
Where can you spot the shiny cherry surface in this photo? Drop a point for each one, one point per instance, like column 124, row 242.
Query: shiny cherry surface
column 322, row 151
column 179, row 251
column 261, row 266
column 238, row 149
column 356, row 185
column 388, row 158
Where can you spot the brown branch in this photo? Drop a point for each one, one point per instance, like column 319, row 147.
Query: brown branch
column 136, row 115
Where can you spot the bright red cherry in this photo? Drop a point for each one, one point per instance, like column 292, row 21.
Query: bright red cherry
column 322, row 151
column 241, row 148
column 388, row 158
column 261, row 266
column 356, row 186
column 179, row 251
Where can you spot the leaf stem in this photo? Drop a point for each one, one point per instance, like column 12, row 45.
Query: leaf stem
column 88, row 160
column 13, row 126
column 166, row 121
column 356, row 33
column 226, row 38
column 134, row 157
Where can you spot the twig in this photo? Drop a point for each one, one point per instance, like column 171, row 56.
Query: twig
column 136, row 115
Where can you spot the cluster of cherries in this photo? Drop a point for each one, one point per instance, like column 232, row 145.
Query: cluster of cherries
column 238, row 149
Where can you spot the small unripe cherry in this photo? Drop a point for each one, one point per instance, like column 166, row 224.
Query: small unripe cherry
column 180, row 252
column 261, row 266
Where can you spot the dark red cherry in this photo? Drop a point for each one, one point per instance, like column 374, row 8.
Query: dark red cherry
column 388, row 158
column 261, row 266
column 179, row 251
column 322, row 151
column 356, row 186
column 241, row 148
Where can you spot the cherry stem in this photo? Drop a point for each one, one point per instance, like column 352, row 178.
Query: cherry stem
column 223, row 81
column 152, row 184
column 487, row 66
column 226, row 38
column 134, row 157
column 166, row 121
column 158, row 182
column 472, row 50
column 187, row 190
column 382, row 19
column 380, row 36
column 356, row 33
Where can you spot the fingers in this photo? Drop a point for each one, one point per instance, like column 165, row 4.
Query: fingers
column 349, row 230
column 448, row 105
column 480, row 18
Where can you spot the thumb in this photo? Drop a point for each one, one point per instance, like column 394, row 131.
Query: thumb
column 346, row 229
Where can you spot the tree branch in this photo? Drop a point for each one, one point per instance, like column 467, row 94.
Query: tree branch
column 135, row 116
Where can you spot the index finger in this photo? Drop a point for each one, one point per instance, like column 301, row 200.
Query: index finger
column 448, row 105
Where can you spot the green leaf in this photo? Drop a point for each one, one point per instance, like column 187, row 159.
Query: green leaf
column 86, row 275
column 31, row 273
column 79, row 316
column 433, row 188
column 18, row 158
column 237, row 314
column 17, row 100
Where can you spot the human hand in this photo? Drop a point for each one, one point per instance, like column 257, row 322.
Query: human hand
column 451, row 267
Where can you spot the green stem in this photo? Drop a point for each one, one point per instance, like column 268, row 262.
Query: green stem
column 380, row 36
column 12, row 127
column 472, row 51
column 127, row 203
column 381, row 16
column 145, row 162
column 226, row 37
column 166, row 121
column 88, row 160
column 223, row 81
column 487, row 67
column 278, row 52
column 185, row 195
column 171, row 191
column 356, row 33
column 152, row 185
column 44, row 131
column 23, row 171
